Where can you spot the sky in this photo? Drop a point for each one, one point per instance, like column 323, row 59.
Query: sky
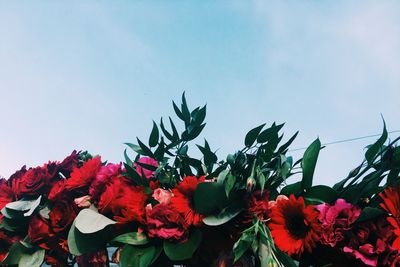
column 91, row 75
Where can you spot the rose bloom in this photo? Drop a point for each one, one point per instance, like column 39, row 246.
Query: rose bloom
column 162, row 196
column 39, row 232
column 164, row 222
column 69, row 163
column 123, row 201
column 182, row 200
column 147, row 173
column 336, row 221
column 62, row 214
column 35, row 181
column 83, row 176
column 294, row 226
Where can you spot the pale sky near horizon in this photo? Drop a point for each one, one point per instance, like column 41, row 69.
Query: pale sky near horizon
column 91, row 75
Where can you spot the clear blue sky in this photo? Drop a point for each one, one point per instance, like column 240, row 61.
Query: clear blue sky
column 93, row 74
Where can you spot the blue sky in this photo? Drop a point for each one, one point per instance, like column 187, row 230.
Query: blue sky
column 94, row 74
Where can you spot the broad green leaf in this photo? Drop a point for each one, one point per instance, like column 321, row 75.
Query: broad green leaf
column 32, row 260
column 243, row 244
column 269, row 133
column 22, row 207
column 89, row 221
column 134, row 256
column 133, row 238
column 224, row 216
column 308, row 163
column 321, row 192
column 252, row 135
column 209, row 197
column 369, row 213
column 14, row 254
column 183, row 251
column 222, row 176
column 154, row 135
column 229, row 183
column 294, row 189
column 373, row 150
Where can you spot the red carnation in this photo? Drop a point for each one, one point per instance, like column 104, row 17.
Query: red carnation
column 123, row 201
column 391, row 203
column 164, row 222
column 83, row 176
column 182, row 200
column 258, row 206
column 35, row 181
column 294, row 227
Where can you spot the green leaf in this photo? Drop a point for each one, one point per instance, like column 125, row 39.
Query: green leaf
column 127, row 159
column 288, row 143
column 284, row 259
column 224, row 216
column 79, row 243
column 269, row 133
column 308, row 163
column 185, row 109
column 229, row 183
column 373, row 150
column 183, row 251
column 133, row 238
column 165, row 132
column 294, row 189
column 209, row 197
column 252, row 135
column 178, row 111
column 14, row 254
column 132, row 173
column 133, row 256
column 369, row 213
column 89, row 221
column 135, row 148
column 21, row 208
column 145, row 150
column 154, row 135
column 194, row 133
column 244, row 243
column 321, row 192
column 32, row 260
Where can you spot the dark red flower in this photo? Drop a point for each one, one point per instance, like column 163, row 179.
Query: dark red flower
column 83, row 176
column 69, row 163
column 39, row 232
column 35, row 181
column 164, row 222
column 5, row 244
column 62, row 214
column 123, row 201
column 257, row 205
column 391, row 203
column 294, row 227
column 93, row 259
column 182, row 199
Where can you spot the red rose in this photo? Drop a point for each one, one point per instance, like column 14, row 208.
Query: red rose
column 62, row 214
column 93, row 259
column 164, row 222
column 123, row 201
column 69, row 163
column 39, row 232
column 6, row 194
column 35, row 181
column 83, row 176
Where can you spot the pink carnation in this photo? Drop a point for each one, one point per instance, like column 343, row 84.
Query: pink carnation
column 147, row 173
column 336, row 220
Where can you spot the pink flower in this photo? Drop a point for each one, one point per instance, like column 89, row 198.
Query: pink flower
column 83, row 202
column 336, row 220
column 105, row 174
column 149, row 161
column 162, row 196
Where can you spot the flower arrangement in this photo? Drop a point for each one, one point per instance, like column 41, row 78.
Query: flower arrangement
column 165, row 208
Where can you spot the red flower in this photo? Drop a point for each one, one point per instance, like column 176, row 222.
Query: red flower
column 62, row 214
column 6, row 195
column 5, row 244
column 83, row 176
column 105, row 174
column 294, row 227
column 391, row 203
column 164, row 222
column 39, row 232
column 35, row 181
column 93, row 259
column 142, row 170
column 123, row 201
column 182, row 200
column 258, row 206
column 336, row 221
column 69, row 163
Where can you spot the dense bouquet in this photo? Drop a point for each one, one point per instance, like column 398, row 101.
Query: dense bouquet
column 164, row 207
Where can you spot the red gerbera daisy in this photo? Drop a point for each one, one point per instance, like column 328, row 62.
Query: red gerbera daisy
column 391, row 203
column 183, row 198
column 294, row 226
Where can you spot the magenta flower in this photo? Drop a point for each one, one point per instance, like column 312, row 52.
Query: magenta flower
column 148, row 161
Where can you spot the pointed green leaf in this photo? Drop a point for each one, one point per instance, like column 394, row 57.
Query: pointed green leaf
column 308, row 163
column 252, row 135
column 374, row 149
column 154, row 135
